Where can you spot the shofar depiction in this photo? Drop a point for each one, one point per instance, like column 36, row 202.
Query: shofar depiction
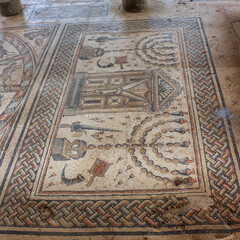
column 10, row 7
column 134, row 5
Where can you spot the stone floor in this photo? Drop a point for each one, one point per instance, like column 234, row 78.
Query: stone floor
column 118, row 125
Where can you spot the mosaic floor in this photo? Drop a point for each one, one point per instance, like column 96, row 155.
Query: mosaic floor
column 120, row 126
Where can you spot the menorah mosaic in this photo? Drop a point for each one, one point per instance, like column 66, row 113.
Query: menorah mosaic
column 128, row 123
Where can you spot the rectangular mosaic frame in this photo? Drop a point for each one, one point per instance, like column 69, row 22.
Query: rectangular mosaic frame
column 127, row 216
column 116, row 192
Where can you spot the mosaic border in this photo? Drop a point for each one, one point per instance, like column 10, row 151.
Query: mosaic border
column 17, row 211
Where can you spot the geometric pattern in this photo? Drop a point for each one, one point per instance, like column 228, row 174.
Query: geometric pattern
column 23, row 50
column 133, row 216
column 166, row 89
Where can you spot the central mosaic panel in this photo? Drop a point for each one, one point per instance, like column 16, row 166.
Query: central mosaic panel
column 127, row 123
